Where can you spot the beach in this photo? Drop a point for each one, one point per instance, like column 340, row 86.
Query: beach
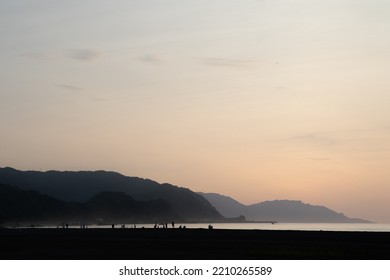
column 187, row 244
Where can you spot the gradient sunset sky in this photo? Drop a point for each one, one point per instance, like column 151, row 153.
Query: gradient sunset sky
column 258, row 100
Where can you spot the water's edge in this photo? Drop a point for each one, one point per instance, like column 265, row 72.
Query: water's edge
column 361, row 227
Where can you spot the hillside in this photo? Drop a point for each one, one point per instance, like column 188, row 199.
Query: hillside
column 286, row 211
column 17, row 205
column 116, row 207
column 21, row 206
column 83, row 185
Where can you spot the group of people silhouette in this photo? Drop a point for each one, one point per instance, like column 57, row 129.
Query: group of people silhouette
column 123, row 226
column 164, row 225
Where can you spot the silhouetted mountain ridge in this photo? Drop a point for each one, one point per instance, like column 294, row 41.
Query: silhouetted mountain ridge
column 106, row 195
column 287, row 211
column 21, row 206
column 31, row 206
column 80, row 186
column 118, row 207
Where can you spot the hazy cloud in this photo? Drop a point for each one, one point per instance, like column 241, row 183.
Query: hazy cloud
column 226, row 62
column 76, row 54
column 320, row 158
column 76, row 91
column 316, row 138
column 149, row 58
column 70, row 87
column 82, row 54
column 37, row 55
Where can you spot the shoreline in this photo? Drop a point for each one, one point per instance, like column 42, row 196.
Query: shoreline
column 150, row 244
column 311, row 226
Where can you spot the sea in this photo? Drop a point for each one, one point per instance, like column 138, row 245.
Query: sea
column 369, row 227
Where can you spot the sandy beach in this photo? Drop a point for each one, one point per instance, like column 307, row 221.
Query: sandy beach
column 204, row 244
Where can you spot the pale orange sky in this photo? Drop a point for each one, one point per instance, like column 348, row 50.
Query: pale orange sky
column 258, row 100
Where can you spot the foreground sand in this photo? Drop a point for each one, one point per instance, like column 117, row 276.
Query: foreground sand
column 190, row 244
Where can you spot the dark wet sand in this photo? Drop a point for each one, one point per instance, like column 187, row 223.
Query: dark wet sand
column 188, row 244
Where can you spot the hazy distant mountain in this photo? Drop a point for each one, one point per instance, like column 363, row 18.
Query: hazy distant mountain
column 286, row 211
column 21, row 206
column 83, row 185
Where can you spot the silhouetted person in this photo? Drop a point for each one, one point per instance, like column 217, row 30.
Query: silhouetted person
column 112, row 226
column 173, row 224
column 210, row 227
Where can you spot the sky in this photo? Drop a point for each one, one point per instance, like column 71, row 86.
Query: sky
column 254, row 99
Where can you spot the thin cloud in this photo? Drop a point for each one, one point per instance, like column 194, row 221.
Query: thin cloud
column 227, row 62
column 317, row 138
column 83, row 54
column 76, row 54
column 70, row 87
column 37, row 56
column 76, row 91
column 149, row 58
column 320, row 158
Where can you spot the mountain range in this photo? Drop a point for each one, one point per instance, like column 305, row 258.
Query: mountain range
column 108, row 197
column 284, row 211
column 82, row 186
column 22, row 206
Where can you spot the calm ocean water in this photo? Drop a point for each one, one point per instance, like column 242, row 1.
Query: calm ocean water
column 269, row 226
